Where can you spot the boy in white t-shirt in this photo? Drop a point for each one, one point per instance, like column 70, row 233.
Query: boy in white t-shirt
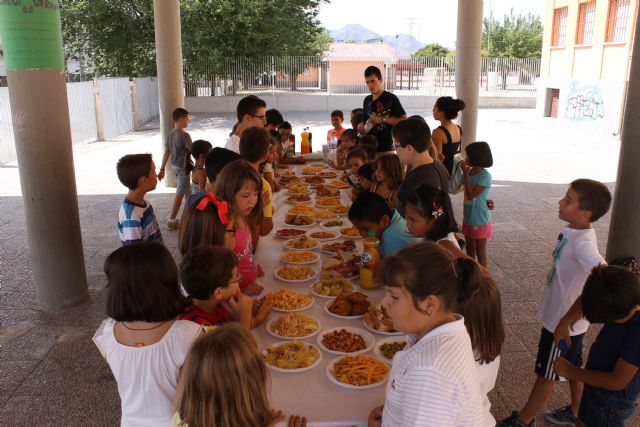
column 575, row 255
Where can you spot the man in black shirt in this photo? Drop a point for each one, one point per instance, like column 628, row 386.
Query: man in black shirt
column 382, row 110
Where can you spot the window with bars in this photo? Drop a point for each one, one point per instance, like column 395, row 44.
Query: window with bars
column 617, row 19
column 559, row 30
column 586, row 18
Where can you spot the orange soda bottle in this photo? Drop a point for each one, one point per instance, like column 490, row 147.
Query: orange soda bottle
column 370, row 261
column 305, row 147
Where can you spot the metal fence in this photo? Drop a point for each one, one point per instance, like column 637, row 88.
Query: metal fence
column 342, row 74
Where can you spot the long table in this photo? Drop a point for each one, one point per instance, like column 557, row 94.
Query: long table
column 311, row 393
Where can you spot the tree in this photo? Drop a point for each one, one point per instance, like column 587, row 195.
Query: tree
column 514, row 37
column 432, row 49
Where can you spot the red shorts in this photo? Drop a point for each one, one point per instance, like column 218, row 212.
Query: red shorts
column 477, row 231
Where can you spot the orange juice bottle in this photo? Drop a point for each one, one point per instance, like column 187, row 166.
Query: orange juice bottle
column 370, row 261
column 305, row 147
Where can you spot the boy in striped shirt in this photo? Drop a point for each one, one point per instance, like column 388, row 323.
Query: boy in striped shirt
column 136, row 220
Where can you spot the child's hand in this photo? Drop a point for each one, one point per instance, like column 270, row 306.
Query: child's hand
column 562, row 367
column 161, row 174
column 490, row 204
column 263, row 311
column 276, row 417
column 241, row 303
column 297, row 421
column 375, row 417
column 465, row 166
column 252, row 289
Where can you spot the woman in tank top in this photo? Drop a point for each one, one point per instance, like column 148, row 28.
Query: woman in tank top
column 448, row 136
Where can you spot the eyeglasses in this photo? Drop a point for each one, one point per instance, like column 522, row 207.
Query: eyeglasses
column 263, row 118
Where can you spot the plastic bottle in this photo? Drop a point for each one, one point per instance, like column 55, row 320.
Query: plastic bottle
column 304, row 142
column 370, row 261
column 310, row 141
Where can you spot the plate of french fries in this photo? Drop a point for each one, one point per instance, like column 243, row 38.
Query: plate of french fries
column 359, row 372
column 299, row 257
column 292, row 356
column 288, row 300
column 293, row 326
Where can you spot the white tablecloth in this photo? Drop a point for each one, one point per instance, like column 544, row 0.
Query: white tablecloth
column 311, row 393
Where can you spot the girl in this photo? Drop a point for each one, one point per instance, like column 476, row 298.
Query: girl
column 388, row 177
column 199, row 151
column 240, row 186
column 447, row 137
column 429, row 215
column 142, row 343
column 348, row 139
column 206, row 221
column 225, row 383
column 439, row 352
column 365, row 176
column 476, row 225
column 483, row 318
column 268, row 167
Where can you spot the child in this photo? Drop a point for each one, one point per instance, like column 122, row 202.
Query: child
column 356, row 157
column 388, row 178
column 575, row 255
column 370, row 212
column 412, row 141
column 281, row 152
column 136, row 219
column 357, row 119
column 240, row 186
column 206, row 221
column 371, row 150
column 428, row 217
column 210, row 276
column 199, row 151
column 434, row 380
column 365, row 176
column 347, row 140
column 482, row 314
column 337, row 118
column 141, row 341
column 476, row 225
column 216, row 160
column 251, row 111
column 254, row 148
column 267, row 169
column 225, row 383
column 274, row 119
column 177, row 147
column 611, row 296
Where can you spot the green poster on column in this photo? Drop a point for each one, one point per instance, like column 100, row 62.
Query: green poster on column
column 30, row 33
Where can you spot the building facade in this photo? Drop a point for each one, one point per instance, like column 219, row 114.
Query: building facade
column 586, row 54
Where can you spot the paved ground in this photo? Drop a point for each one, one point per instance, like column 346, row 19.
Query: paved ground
column 52, row 374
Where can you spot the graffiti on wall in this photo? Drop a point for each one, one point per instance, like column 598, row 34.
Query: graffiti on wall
column 585, row 102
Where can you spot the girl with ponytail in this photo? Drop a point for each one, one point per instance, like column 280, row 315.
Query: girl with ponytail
column 434, row 380
column 448, row 136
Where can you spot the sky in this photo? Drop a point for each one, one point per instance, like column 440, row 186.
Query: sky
column 432, row 22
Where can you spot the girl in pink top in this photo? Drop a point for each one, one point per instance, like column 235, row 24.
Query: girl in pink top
column 240, row 186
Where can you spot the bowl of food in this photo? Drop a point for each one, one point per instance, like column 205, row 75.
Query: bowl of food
column 300, row 220
column 294, row 273
column 325, row 216
column 293, row 326
column 288, row 300
column 289, row 233
column 345, row 340
column 350, row 232
column 324, row 191
column 292, row 356
column 341, row 210
column 299, row 199
column 327, row 202
column 348, row 245
column 337, row 184
column 387, row 348
column 327, row 175
column 313, row 180
column 297, row 188
column 302, row 210
column 350, row 306
column 331, row 286
column 359, row 372
column 323, row 236
column 299, row 257
column 312, row 170
column 302, row 243
column 334, row 223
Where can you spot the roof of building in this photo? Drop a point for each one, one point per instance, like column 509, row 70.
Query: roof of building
column 350, row 51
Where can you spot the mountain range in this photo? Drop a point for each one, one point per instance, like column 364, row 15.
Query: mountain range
column 406, row 44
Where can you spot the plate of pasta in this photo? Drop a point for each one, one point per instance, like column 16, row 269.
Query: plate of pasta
column 299, row 257
column 293, row 326
column 288, row 300
column 295, row 273
column 359, row 372
column 292, row 356
column 336, row 183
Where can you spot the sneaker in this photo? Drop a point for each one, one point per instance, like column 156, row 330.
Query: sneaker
column 173, row 224
column 515, row 421
column 561, row 417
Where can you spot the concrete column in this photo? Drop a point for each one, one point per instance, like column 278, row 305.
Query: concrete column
column 468, row 59
column 166, row 19
column 32, row 42
column 624, row 229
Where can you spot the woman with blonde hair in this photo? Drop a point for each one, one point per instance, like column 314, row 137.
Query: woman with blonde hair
column 224, row 383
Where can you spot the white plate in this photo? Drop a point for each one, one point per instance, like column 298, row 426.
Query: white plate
column 316, row 259
column 313, row 224
column 335, row 217
column 334, row 227
column 314, row 292
column 334, row 252
column 376, row 348
column 273, row 334
column 315, row 274
column 333, row 379
column 350, row 237
column 316, row 246
column 326, row 310
column 334, row 233
column 324, row 207
column 298, row 203
column 369, row 340
column 295, row 310
column 376, row 331
column 306, row 368
column 339, row 187
column 289, row 237
column 308, row 192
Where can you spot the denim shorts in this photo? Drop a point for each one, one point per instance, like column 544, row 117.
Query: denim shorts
column 602, row 408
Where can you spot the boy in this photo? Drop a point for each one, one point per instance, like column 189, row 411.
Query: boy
column 369, row 212
column 273, row 119
column 136, row 220
column 251, row 111
column 611, row 296
column 254, row 148
column 575, row 255
column 216, row 160
column 210, row 276
column 347, row 140
column 178, row 147
column 285, row 133
column 336, row 121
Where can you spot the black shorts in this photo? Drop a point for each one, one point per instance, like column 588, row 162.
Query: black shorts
column 548, row 352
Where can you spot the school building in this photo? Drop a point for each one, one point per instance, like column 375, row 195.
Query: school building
column 586, row 56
